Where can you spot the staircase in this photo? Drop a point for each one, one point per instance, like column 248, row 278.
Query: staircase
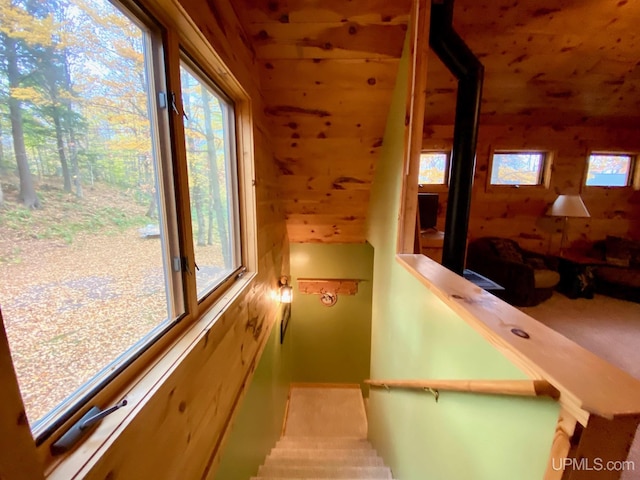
column 325, row 436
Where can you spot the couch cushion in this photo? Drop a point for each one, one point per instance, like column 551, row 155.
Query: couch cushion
column 620, row 276
column 545, row 278
column 621, row 252
column 507, row 249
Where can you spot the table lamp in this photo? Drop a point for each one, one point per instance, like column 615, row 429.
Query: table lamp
column 567, row 206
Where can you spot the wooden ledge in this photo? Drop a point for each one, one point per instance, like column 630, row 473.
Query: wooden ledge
column 328, row 285
column 587, row 384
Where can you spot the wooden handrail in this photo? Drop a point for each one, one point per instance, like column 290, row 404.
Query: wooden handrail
column 522, row 388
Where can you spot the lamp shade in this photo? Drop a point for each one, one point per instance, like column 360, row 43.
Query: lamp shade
column 568, row 206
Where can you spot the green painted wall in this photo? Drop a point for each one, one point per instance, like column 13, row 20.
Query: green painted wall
column 331, row 344
column 258, row 423
column 415, row 335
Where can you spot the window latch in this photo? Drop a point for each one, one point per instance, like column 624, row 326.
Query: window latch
column 241, row 273
column 175, row 108
column 79, row 429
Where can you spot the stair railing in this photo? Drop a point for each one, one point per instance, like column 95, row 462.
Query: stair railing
column 522, row 388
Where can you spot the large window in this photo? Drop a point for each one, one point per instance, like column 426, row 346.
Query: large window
column 609, row 170
column 518, row 168
column 93, row 258
column 434, row 168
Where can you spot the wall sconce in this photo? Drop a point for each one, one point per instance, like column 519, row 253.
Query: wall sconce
column 286, row 290
column 328, row 289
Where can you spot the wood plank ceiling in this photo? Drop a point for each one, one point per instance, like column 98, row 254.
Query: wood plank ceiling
column 328, row 68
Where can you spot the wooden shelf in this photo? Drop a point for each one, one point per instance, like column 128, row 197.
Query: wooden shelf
column 317, row 286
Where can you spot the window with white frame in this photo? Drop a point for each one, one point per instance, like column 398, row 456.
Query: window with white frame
column 609, row 170
column 434, row 168
column 95, row 258
column 518, row 168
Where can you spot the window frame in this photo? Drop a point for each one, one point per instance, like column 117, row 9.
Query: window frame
column 201, row 75
column 173, row 32
column 633, row 179
column 436, row 187
column 544, row 174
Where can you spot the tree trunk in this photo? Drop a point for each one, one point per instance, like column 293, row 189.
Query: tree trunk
column 73, row 151
column 197, row 203
column 27, row 194
column 70, row 125
column 215, row 202
column 61, row 154
column 1, row 148
column 152, row 211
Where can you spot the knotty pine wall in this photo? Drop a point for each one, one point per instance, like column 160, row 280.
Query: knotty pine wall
column 175, row 431
column 519, row 213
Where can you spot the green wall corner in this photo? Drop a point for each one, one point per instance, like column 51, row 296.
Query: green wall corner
column 331, row 344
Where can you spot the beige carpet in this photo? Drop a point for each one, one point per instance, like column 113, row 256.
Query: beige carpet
column 325, row 438
column 326, row 412
column 608, row 327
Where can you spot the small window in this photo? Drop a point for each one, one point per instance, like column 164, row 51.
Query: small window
column 434, row 168
column 609, row 170
column 518, row 168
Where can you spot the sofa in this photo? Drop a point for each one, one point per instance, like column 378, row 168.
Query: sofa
column 617, row 267
column 528, row 278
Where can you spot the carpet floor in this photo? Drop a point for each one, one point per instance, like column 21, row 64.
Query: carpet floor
column 606, row 326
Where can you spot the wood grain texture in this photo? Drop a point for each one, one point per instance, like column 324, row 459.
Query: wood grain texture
column 558, row 63
column 520, row 213
column 340, row 286
column 327, row 70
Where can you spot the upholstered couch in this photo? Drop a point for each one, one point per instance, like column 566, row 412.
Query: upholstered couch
column 528, row 278
column 617, row 273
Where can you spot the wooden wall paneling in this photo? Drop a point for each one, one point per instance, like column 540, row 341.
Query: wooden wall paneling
column 289, row 124
column 292, row 184
column 328, row 74
column 327, row 40
column 302, row 11
column 348, row 149
column 356, row 105
column 323, row 233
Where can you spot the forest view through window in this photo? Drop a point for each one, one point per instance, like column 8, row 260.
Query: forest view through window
column 517, row 168
column 90, row 264
column 609, row 170
column 434, row 167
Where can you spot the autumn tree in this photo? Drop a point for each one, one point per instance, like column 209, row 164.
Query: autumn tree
column 16, row 30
